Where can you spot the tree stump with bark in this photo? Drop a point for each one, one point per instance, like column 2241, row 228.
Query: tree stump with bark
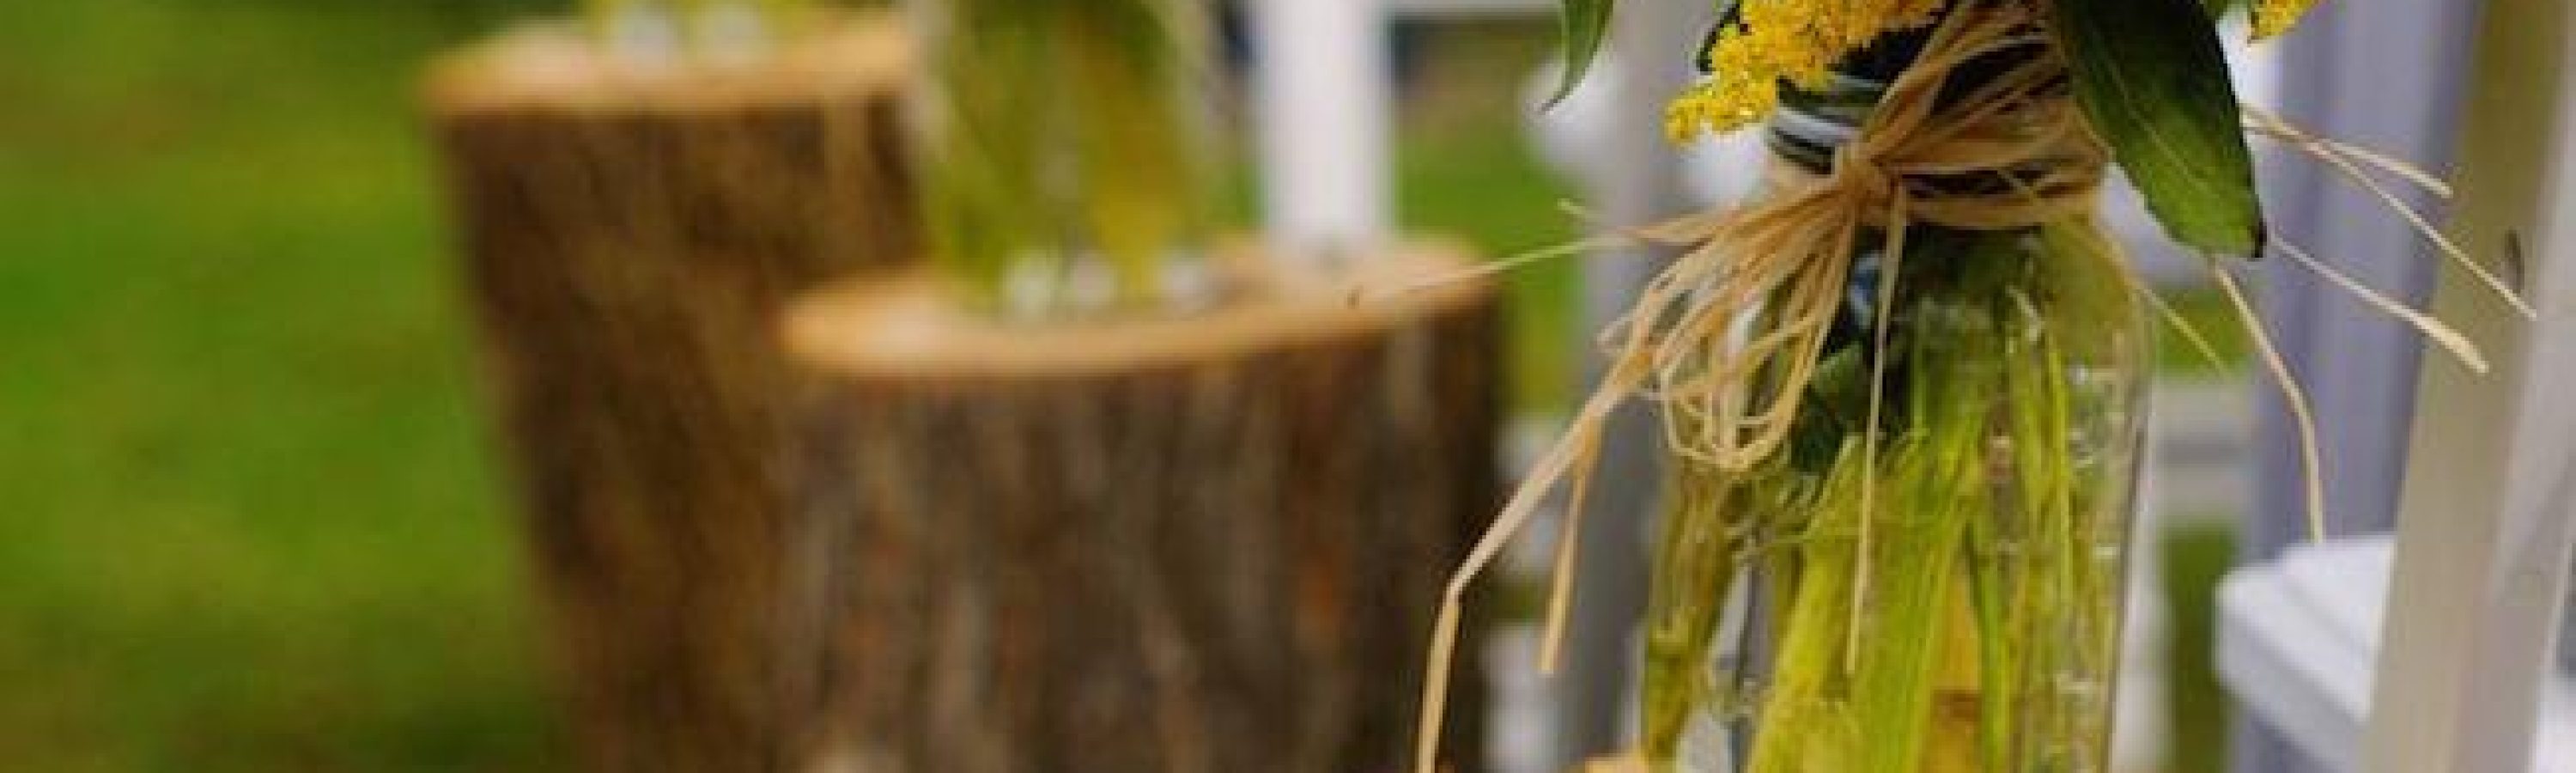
column 1204, row 545
column 633, row 231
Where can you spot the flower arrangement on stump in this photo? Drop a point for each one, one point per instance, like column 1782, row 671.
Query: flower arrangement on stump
column 1066, row 153
column 728, row 31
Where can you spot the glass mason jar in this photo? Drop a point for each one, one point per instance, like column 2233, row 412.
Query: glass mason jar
column 667, row 32
column 1940, row 591
column 1064, row 152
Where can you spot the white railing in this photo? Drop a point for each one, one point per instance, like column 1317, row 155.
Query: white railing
column 2489, row 514
column 1326, row 123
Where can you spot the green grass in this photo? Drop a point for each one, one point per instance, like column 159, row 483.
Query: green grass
column 2207, row 312
column 1485, row 189
column 1466, row 170
column 2196, row 557
column 252, row 524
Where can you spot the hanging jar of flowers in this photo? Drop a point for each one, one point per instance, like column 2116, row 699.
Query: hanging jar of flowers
column 1901, row 505
column 1064, row 152
column 1901, row 390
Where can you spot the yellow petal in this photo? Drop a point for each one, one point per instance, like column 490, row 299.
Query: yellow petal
column 2273, row 17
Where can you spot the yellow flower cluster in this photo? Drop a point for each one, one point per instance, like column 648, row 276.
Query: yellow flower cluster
column 1800, row 40
column 2273, row 17
column 1793, row 40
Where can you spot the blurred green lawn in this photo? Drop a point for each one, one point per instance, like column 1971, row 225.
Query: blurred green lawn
column 252, row 524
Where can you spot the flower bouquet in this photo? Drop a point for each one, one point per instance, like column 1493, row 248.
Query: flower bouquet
column 1901, row 389
column 1066, row 154
column 731, row 31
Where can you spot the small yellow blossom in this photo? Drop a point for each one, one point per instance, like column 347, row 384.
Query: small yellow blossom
column 1783, row 40
column 2273, row 17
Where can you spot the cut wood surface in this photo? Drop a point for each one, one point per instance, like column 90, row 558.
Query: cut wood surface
column 632, row 233
column 1201, row 545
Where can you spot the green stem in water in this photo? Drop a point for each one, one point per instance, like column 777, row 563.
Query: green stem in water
column 1062, row 133
column 2021, row 549
column 1136, row 163
column 1806, row 721
column 1699, row 557
column 1934, row 492
column 1992, row 614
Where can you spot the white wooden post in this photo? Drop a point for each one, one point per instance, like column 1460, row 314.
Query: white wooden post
column 2489, row 513
column 1324, row 86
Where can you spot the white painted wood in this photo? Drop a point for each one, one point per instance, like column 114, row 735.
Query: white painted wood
column 2388, row 75
column 2486, row 523
column 1326, row 136
column 2297, row 642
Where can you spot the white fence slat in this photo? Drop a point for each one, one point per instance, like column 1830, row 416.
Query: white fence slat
column 2489, row 513
column 1326, row 125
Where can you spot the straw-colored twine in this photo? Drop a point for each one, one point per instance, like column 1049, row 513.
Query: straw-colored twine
column 1731, row 401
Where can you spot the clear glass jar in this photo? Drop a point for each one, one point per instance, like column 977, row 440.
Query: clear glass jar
column 1940, row 591
column 671, row 32
column 1064, row 152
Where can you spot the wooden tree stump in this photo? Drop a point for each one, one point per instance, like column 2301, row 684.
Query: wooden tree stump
column 632, row 233
column 1211, row 545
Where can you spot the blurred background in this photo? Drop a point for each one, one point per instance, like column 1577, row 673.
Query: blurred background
column 253, row 517
column 253, row 521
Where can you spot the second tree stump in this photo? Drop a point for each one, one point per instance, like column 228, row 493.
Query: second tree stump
column 1208, row 545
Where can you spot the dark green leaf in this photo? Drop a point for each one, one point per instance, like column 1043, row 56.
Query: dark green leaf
column 1587, row 24
column 2152, row 77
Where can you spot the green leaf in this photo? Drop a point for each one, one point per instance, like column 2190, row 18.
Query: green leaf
column 2152, row 77
column 1587, row 24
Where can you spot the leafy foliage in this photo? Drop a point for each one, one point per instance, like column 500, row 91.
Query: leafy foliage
column 1587, row 26
column 2152, row 77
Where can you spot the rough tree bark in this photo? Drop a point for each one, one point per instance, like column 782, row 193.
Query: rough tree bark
column 1211, row 545
column 632, row 234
